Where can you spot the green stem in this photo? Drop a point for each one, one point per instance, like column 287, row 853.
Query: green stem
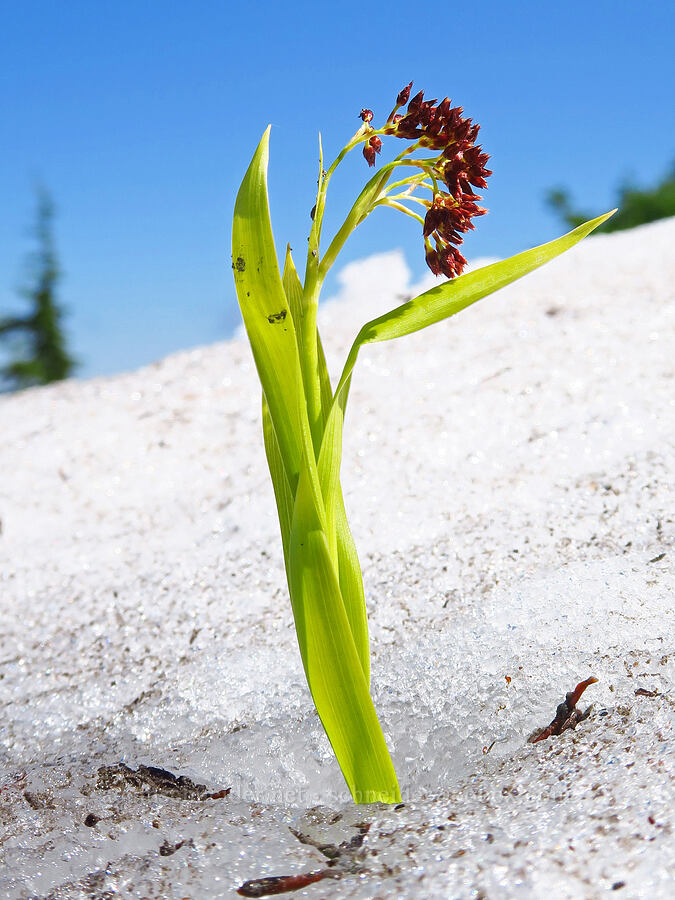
column 388, row 201
column 317, row 268
column 416, row 181
column 309, row 358
column 364, row 205
column 312, row 290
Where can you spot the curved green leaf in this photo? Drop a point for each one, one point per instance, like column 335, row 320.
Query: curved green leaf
column 451, row 297
column 341, row 542
column 293, row 290
column 332, row 665
column 266, row 314
column 432, row 306
column 325, row 587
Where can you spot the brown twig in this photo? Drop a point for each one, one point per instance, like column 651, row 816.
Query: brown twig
column 566, row 715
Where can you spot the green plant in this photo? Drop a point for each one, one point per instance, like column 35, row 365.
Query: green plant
column 303, row 416
column 42, row 356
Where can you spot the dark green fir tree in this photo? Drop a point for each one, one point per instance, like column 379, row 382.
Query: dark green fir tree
column 36, row 341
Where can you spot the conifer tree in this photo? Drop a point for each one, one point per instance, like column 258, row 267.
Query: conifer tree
column 38, row 353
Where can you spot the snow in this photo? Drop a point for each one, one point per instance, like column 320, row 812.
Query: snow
column 508, row 475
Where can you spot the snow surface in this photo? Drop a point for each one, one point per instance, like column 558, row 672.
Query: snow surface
column 509, row 479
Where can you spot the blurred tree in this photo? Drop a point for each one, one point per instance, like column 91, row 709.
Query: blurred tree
column 40, row 354
column 636, row 206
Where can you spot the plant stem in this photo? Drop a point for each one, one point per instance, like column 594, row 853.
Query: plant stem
column 311, row 291
column 359, row 211
column 317, row 268
column 309, row 358
column 393, row 204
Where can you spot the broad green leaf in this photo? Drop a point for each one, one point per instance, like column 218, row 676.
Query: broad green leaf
column 332, row 665
column 349, row 569
column 331, row 630
column 266, row 313
column 351, row 585
column 341, row 542
column 282, row 490
column 293, row 290
column 455, row 295
column 334, row 668
column 432, row 306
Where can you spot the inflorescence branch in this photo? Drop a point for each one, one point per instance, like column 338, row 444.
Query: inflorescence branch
column 457, row 166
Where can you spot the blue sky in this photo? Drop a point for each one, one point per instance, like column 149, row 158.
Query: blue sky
column 141, row 117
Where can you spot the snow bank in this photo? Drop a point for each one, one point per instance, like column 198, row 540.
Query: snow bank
column 509, row 478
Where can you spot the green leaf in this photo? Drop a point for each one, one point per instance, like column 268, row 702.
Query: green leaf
column 327, row 634
column 332, row 665
column 453, row 296
column 283, row 494
column 293, row 290
column 351, row 585
column 432, row 306
column 266, row 313
column 341, row 541
column 282, row 489
column 344, row 548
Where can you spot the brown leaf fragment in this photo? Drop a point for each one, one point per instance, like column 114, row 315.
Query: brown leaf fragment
column 280, row 884
column 150, row 780
column 567, row 715
column 168, row 849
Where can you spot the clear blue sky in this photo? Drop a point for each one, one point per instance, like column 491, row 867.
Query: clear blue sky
column 140, row 118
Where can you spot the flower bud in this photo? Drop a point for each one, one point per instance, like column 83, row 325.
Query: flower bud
column 369, row 154
column 433, row 261
column 416, row 102
column 451, row 261
column 366, row 115
column 404, row 95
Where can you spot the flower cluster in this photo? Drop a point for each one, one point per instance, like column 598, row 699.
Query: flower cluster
column 447, row 219
column 460, row 165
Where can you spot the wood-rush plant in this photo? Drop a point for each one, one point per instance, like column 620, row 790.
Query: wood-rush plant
column 436, row 172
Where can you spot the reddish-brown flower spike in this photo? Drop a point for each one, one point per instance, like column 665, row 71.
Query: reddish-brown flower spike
column 427, row 113
column 459, row 162
column 415, row 103
column 369, row 153
column 406, row 127
column 433, row 261
column 366, row 115
column 404, row 95
column 443, row 110
column 432, row 220
column 451, row 261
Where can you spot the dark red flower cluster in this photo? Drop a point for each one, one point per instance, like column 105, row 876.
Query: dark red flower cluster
column 447, row 219
column 461, row 165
